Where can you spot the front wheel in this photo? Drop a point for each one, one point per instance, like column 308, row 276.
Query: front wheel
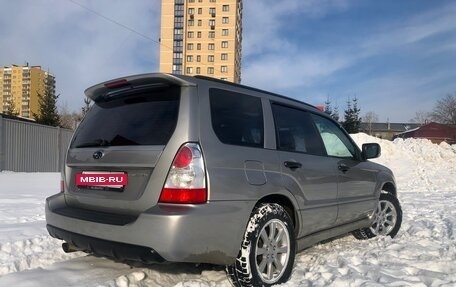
column 387, row 219
column 268, row 249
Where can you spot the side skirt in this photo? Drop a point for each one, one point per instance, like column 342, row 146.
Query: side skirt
column 311, row 239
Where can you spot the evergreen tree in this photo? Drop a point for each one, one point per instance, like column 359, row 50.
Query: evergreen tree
column 48, row 114
column 333, row 112
column 352, row 120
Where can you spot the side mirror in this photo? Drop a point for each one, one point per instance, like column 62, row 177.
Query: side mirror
column 371, row 150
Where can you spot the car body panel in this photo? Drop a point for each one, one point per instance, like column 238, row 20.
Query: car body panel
column 323, row 200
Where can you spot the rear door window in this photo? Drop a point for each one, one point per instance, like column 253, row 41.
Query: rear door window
column 237, row 118
column 145, row 118
column 295, row 131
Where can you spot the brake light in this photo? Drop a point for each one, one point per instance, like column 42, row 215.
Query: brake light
column 186, row 180
column 116, row 84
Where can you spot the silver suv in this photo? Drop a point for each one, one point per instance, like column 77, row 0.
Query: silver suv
column 192, row 169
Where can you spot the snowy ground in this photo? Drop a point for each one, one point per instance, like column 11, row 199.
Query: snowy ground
column 423, row 253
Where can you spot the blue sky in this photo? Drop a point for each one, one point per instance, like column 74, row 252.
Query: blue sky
column 396, row 57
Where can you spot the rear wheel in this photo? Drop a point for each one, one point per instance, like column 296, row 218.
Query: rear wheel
column 387, row 219
column 268, row 249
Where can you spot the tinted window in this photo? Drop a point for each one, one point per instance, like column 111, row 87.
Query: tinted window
column 295, row 131
column 335, row 141
column 147, row 118
column 237, row 118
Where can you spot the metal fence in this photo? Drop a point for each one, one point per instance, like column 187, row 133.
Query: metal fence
column 29, row 147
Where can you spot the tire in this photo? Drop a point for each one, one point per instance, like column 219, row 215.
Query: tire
column 387, row 219
column 268, row 249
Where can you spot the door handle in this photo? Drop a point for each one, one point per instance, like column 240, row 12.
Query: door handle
column 343, row 167
column 292, row 164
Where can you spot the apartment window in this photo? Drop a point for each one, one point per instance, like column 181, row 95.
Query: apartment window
column 212, row 1
column 211, row 34
column 190, row 34
column 210, row 58
column 200, row 23
column 198, row 46
column 189, row 70
column 200, row 11
column 198, row 70
column 210, row 70
column 225, row 32
column 198, row 58
column 198, row 34
column 226, row 8
column 191, row 1
column 212, row 11
column 190, row 46
column 211, row 22
column 177, row 69
column 191, row 22
column 224, row 44
column 225, row 20
column 211, row 46
column 189, row 58
column 177, row 46
column 224, row 69
column 191, row 11
column 224, row 57
column 178, row 22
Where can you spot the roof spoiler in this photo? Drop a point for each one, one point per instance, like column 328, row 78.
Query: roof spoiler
column 117, row 86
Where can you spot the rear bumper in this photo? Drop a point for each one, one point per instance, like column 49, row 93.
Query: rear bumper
column 207, row 233
column 120, row 251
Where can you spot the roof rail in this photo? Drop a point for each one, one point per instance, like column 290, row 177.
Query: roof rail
column 251, row 88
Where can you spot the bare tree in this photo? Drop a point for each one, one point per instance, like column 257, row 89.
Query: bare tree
column 68, row 119
column 11, row 108
column 370, row 118
column 445, row 110
column 421, row 117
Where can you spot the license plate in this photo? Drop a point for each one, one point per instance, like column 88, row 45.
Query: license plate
column 102, row 180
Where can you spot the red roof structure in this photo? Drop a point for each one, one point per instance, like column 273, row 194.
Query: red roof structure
column 434, row 132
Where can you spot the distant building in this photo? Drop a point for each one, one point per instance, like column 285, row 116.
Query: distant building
column 201, row 38
column 386, row 130
column 434, row 132
column 21, row 85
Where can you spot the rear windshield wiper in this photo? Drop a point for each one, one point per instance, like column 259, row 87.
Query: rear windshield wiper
column 95, row 143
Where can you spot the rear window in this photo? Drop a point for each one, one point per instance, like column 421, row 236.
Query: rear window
column 237, row 119
column 146, row 118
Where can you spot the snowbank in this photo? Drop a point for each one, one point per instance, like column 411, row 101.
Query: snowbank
column 418, row 164
column 422, row 254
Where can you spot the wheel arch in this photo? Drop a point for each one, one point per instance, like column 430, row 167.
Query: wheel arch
column 389, row 187
column 286, row 203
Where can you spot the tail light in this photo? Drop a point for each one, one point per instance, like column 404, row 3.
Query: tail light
column 186, row 180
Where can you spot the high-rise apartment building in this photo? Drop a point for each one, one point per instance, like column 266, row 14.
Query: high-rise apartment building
column 21, row 86
column 202, row 37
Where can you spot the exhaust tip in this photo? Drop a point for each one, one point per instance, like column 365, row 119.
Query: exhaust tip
column 68, row 248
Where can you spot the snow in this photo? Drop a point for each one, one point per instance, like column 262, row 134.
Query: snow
column 422, row 254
